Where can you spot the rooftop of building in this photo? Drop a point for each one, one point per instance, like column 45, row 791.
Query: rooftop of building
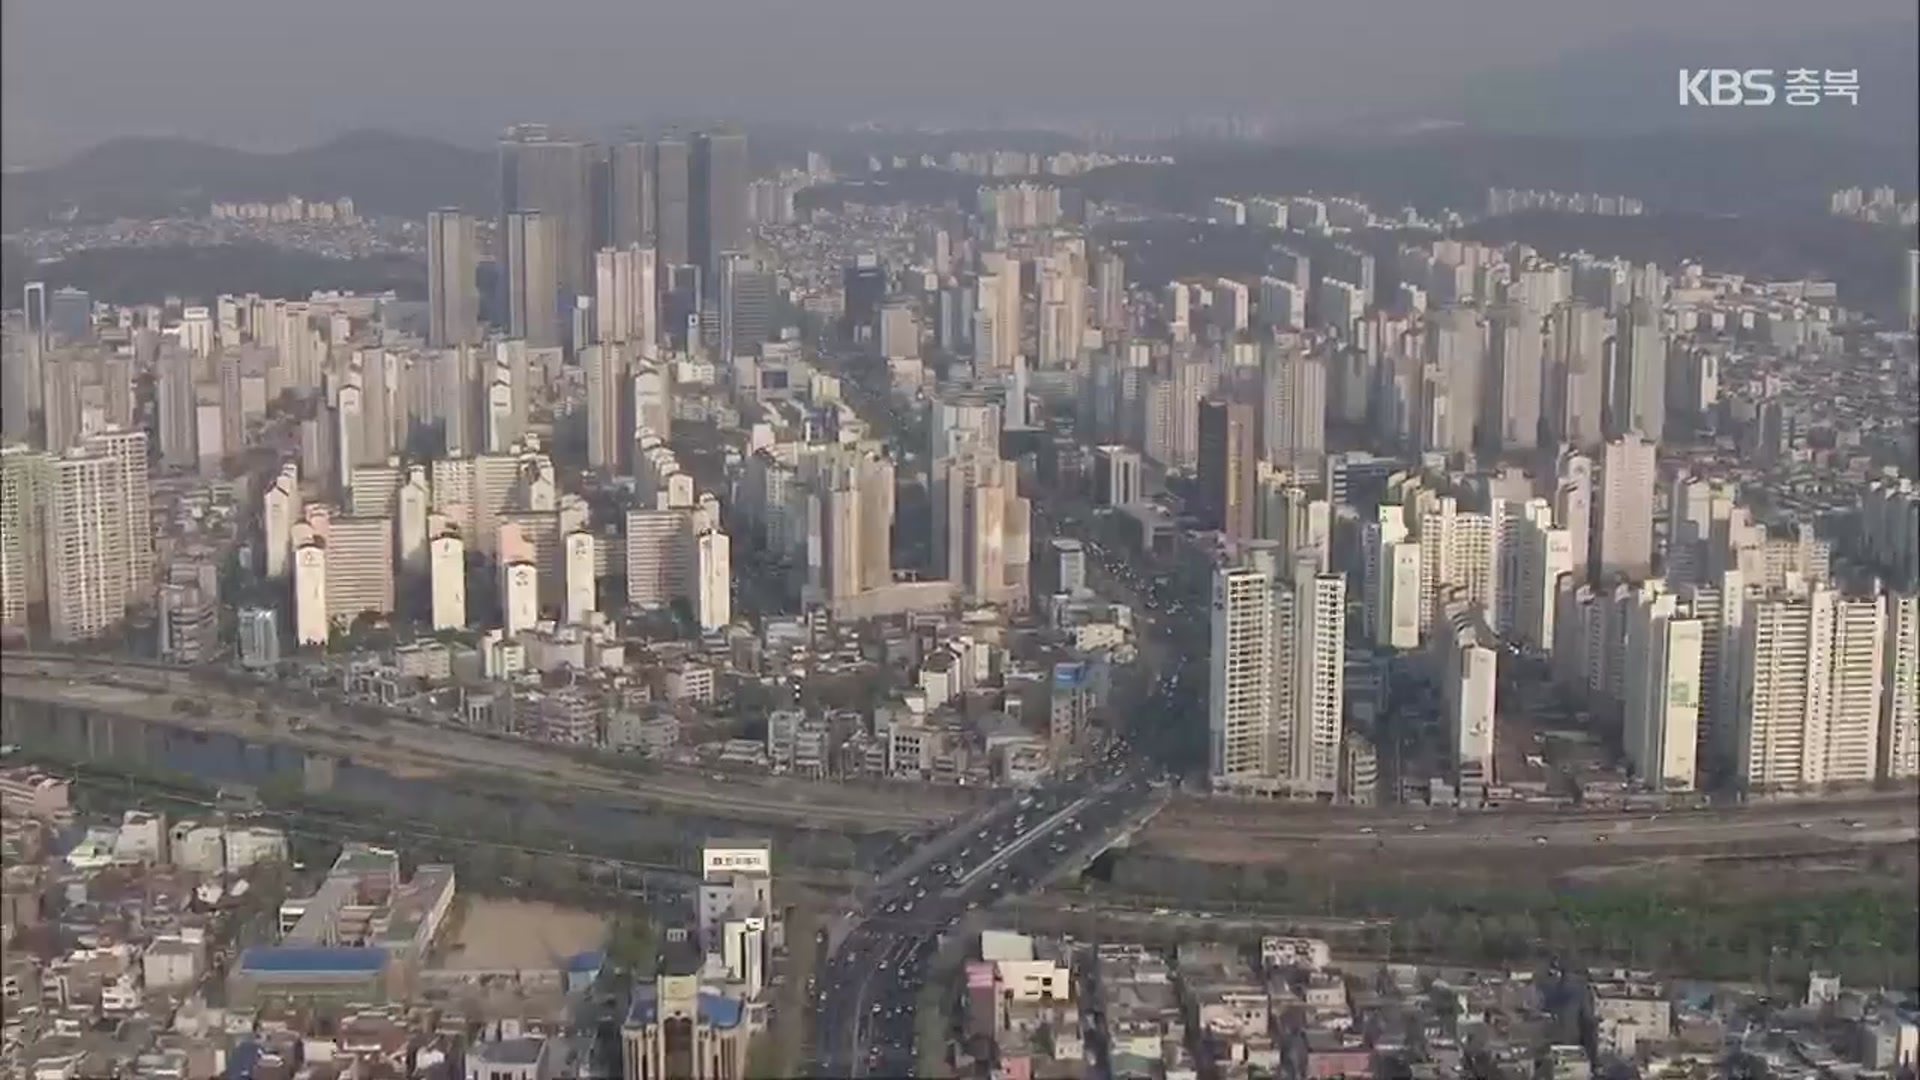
column 316, row 960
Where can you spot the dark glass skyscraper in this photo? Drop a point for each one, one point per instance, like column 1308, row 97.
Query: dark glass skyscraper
column 629, row 194
column 719, row 174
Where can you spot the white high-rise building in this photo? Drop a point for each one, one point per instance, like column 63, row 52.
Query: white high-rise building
column 1240, row 690
column 1808, row 677
column 1471, row 682
column 713, row 599
column 1573, row 505
column 1664, row 652
column 311, row 626
column 582, row 589
column 1399, row 611
column 1312, row 717
column 1627, row 476
column 1283, row 305
column 653, row 402
column 26, row 483
column 412, row 504
column 1294, row 427
column 87, row 561
column 447, row 564
column 1900, row 690
column 624, row 297
column 519, row 597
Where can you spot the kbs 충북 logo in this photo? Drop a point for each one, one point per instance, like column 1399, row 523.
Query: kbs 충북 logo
column 1764, row 86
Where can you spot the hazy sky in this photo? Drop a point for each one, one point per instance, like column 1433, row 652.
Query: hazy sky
column 272, row 73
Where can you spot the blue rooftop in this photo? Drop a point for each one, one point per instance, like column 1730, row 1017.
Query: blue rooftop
column 240, row 1060
column 313, row 960
column 1069, row 675
column 716, row 1010
column 586, row 963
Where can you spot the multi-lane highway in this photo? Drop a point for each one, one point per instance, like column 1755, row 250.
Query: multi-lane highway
column 1278, row 833
column 864, row 999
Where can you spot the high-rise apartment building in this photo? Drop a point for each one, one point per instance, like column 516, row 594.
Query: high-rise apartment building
column 1576, row 387
column 1900, row 689
column 553, row 175
column 1470, row 681
column 1294, row 420
column 1808, row 679
column 1664, row 653
column 609, row 440
column 713, row 596
column 530, row 277
column 629, row 196
column 447, row 567
column 1516, row 358
column 1240, row 690
column 26, row 482
column 453, row 293
column 1628, row 473
column 1639, row 372
column 625, row 297
column 91, row 561
column 672, row 201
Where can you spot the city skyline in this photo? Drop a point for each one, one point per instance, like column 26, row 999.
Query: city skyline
column 1260, row 62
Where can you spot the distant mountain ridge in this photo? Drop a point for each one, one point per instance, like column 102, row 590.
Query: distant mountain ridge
column 382, row 172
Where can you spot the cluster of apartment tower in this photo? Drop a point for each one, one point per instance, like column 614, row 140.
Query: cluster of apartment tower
column 1730, row 654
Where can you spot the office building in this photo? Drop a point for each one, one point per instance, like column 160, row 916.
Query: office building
column 1226, row 490
column 359, row 567
column 1117, row 476
column 718, row 176
column 661, row 560
column 453, row 291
